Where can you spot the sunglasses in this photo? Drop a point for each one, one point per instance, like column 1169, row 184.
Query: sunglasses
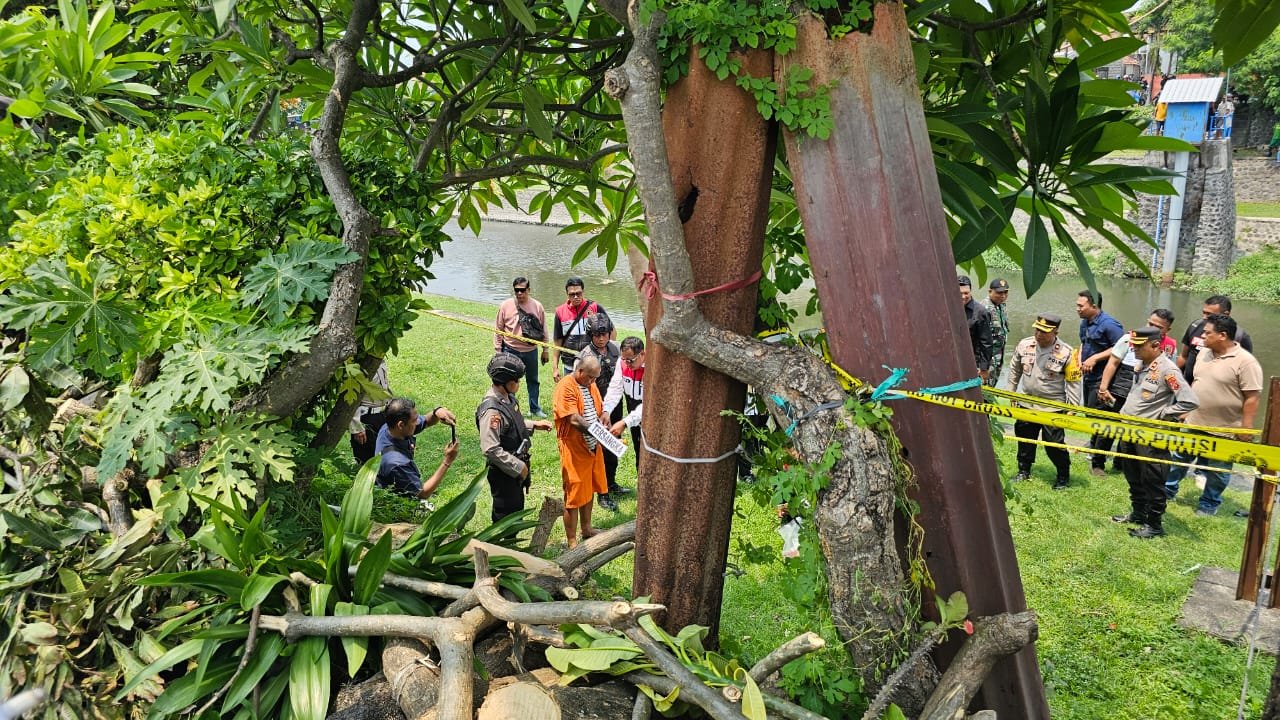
column 575, row 294
column 523, row 289
column 631, row 360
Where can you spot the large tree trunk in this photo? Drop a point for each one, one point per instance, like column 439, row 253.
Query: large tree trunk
column 862, row 483
column 885, row 273
column 685, row 510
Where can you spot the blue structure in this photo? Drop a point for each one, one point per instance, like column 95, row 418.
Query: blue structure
column 1188, row 107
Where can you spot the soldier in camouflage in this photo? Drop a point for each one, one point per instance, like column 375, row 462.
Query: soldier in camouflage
column 997, row 296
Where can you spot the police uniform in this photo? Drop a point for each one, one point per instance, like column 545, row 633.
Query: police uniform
column 1052, row 373
column 1159, row 392
column 999, row 330
column 503, row 441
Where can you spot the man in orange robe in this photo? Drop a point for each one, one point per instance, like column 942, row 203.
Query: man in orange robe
column 576, row 403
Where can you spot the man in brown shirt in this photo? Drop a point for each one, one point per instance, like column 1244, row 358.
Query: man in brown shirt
column 523, row 316
column 1228, row 383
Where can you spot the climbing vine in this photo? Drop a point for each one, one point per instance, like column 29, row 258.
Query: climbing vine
column 719, row 29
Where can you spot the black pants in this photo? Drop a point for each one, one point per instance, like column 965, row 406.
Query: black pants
column 363, row 451
column 1146, row 481
column 1104, row 442
column 611, row 460
column 508, row 493
column 1027, row 451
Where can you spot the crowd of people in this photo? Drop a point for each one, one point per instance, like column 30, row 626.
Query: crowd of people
column 599, row 388
column 1209, row 380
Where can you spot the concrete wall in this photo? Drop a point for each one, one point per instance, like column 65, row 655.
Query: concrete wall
column 1257, row 179
column 1254, row 235
column 1207, row 238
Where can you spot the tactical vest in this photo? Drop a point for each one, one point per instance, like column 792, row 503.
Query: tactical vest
column 513, row 430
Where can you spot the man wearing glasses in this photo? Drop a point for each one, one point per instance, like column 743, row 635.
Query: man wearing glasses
column 570, row 330
column 525, row 317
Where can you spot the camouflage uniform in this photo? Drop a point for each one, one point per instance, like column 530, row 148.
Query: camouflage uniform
column 999, row 337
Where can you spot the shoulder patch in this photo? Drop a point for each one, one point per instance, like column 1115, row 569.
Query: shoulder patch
column 1173, row 380
column 495, row 422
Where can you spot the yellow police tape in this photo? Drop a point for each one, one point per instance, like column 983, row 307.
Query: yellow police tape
column 1128, row 456
column 1263, row 457
column 1110, row 415
column 491, row 329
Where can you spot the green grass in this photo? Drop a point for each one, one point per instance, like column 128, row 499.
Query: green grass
column 1258, row 209
column 1109, row 647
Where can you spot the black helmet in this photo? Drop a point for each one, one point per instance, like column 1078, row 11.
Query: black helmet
column 505, row 367
column 599, row 323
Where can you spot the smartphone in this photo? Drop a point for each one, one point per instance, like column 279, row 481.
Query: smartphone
column 453, row 433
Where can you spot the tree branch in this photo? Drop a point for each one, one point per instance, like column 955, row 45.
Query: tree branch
column 691, row 686
column 993, row 639
column 796, row 647
column 467, row 177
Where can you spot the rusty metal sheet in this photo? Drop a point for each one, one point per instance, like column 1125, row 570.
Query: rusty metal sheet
column 883, row 265
column 717, row 143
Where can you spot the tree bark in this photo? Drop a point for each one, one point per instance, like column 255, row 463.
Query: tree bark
column 993, row 638
column 680, row 556
column 882, row 260
column 300, row 378
column 859, row 532
column 338, row 424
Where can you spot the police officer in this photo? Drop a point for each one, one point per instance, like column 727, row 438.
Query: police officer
column 1043, row 366
column 1160, row 393
column 505, row 435
column 995, row 304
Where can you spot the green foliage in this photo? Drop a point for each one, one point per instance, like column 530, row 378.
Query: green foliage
column 601, row 651
column 1190, row 29
column 254, row 570
column 718, row 29
column 1253, row 277
column 74, row 66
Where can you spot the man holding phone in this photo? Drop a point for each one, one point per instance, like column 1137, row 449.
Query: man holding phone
column 505, row 435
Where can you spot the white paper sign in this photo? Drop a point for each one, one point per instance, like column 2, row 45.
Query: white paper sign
column 606, row 438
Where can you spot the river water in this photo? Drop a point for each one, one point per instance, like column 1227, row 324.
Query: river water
column 482, row 268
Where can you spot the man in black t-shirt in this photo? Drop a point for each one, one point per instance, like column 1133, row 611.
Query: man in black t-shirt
column 1193, row 338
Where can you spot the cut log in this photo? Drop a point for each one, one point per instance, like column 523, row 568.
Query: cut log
column 524, row 700
column 551, row 511
column 531, row 564
column 369, row 700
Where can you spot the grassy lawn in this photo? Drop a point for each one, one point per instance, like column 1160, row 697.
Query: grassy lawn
column 1254, row 209
column 1109, row 647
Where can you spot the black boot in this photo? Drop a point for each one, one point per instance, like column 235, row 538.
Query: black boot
column 1148, row 531
column 1060, row 484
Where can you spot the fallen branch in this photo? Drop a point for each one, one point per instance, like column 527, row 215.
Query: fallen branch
column 249, row 644
column 452, row 637
column 691, row 687
column 589, row 568
column 115, row 493
column 993, row 639
column 776, row 705
column 643, row 709
column 611, row 614
column 551, row 511
column 796, row 647
column 591, row 547
column 422, row 587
